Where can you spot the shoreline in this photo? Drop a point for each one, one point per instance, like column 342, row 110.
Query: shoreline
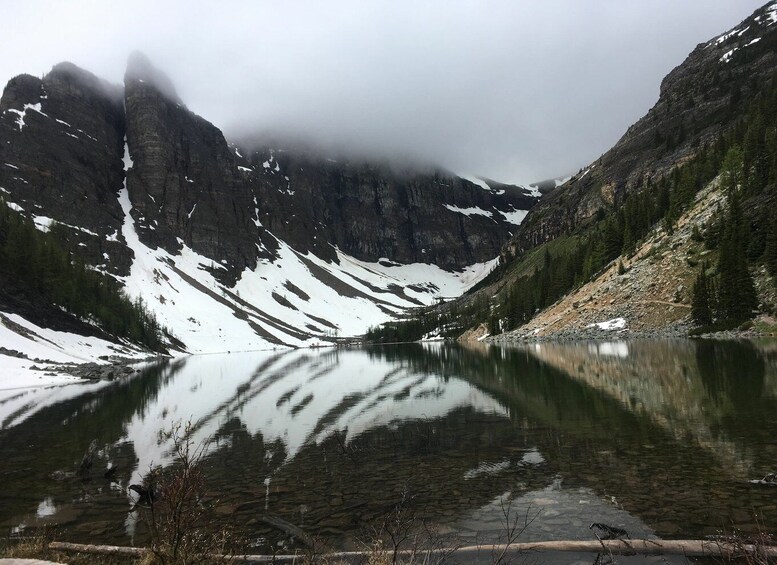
column 28, row 373
column 595, row 334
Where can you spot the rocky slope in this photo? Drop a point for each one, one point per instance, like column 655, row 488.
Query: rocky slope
column 652, row 296
column 238, row 247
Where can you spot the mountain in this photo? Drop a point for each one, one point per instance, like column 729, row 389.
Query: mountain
column 685, row 195
column 232, row 245
column 700, row 99
column 406, row 214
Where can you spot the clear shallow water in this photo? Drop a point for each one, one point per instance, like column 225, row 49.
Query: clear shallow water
column 660, row 438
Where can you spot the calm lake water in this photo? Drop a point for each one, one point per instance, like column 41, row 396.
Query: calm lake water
column 659, row 438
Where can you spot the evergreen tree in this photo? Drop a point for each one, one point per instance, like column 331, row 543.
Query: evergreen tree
column 770, row 249
column 613, row 238
column 732, row 169
column 701, row 311
column 736, row 293
column 35, row 266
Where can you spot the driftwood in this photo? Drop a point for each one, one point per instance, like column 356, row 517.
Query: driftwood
column 688, row 548
column 98, row 549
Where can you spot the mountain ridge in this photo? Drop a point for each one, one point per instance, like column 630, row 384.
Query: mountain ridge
column 713, row 129
column 708, row 86
column 230, row 247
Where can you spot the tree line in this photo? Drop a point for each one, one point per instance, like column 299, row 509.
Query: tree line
column 34, row 265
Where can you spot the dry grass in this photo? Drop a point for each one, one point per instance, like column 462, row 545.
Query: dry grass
column 36, row 547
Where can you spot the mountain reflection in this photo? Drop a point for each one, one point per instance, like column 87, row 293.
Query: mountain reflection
column 647, row 434
column 296, row 398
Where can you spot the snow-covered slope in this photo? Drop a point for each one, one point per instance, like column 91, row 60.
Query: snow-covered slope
column 34, row 356
column 289, row 299
column 295, row 300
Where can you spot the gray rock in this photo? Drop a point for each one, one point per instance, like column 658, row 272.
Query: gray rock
column 66, row 159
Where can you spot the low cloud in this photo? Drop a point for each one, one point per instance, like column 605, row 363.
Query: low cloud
column 517, row 91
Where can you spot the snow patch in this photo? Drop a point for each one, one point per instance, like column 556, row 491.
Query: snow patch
column 726, row 36
column 43, row 223
column 127, row 159
column 477, row 181
column 46, row 508
column 532, row 191
column 609, row 325
column 472, row 210
column 728, row 54
column 23, row 113
column 45, row 348
column 770, row 14
column 585, row 172
column 515, row 216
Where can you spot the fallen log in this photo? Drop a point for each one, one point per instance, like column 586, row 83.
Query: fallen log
column 687, row 548
column 98, row 549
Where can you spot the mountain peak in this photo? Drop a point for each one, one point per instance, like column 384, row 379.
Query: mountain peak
column 140, row 69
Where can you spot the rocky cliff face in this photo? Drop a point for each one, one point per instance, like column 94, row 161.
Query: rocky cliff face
column 64, row 155
column 61, row 142
column 698, row 100
column 373, row 211
column 184, row 183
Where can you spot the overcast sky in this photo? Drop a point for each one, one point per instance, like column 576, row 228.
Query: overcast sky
column 515, row 90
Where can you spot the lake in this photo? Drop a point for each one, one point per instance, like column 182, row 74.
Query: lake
column 661, row 438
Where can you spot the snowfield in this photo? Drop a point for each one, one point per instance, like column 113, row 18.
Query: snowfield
column 46, row 349
column 296, row 300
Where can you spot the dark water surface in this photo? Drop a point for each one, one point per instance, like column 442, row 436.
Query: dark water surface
column 659, row 438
